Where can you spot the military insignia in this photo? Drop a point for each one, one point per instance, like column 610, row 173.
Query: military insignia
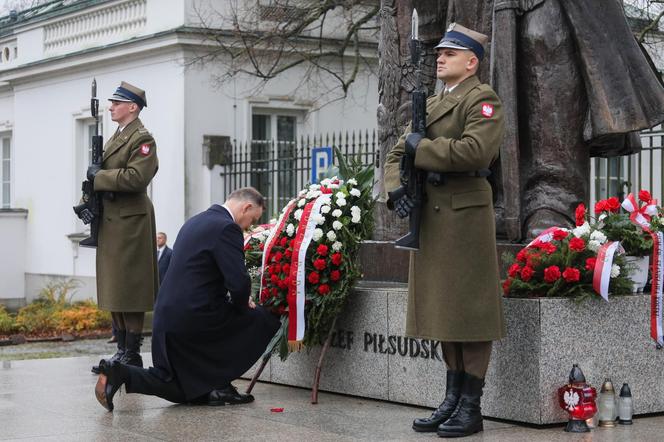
column 451, row 27
column 487, row 110
column 145, row 150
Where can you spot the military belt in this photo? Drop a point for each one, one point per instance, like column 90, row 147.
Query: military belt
column 438, row 178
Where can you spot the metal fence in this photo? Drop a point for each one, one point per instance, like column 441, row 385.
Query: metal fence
column 619, row 176
column 279, row 169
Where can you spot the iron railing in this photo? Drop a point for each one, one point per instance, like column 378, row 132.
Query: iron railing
column 279, row 169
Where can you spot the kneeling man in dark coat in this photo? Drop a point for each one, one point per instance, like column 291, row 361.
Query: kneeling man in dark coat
column 207, row 331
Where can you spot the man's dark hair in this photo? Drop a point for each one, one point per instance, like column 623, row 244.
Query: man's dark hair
column 248, row 194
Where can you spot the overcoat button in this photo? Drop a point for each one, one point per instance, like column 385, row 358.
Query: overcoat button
column 436, row 208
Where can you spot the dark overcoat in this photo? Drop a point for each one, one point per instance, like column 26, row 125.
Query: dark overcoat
column 127, row 277
column 453, row 285
column 204, row 334
column 164, row 262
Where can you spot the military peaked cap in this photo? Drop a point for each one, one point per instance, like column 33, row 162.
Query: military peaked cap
column 459, row 37
column 130, row 93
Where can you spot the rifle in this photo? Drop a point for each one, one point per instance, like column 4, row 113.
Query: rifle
column 91, row 208
column 412, row 179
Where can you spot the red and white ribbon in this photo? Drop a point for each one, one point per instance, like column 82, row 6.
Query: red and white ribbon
column 546, row 236
column 272, row 239
column 296, row 296
column 258, row 233
column 602, row 272
column 640, row 216
column 656, row 331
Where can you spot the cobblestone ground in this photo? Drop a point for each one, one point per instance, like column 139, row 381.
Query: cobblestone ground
column 60, row 349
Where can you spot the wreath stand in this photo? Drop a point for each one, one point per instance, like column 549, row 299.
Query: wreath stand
column 319, row 366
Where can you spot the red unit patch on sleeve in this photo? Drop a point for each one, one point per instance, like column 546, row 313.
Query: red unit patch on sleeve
column 487, row 110
column 145, row 150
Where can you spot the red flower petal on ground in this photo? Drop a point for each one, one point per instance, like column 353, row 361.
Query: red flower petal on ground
column 645, row 196
column 323, row 289
column 322, row 250
column 335, row 275
column 514, row 270
column 590, row 263
column 320, row 264
column 571, row 274
column 337, row 258
column 577, row 244
column 527, row 273
column 551, row 274
column 580, row 214
column 313, row 278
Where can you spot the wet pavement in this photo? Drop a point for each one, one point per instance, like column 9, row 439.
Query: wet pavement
column 53, row 400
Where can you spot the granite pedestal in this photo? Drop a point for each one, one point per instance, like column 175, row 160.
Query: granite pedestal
column 371, row 357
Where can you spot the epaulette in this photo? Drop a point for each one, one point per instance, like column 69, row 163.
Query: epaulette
column 144, row 131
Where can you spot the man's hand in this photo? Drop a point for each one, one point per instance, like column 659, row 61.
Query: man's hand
column 86, row 216
column 252, row 304
column 412, row 140
column 92, row 171
column 403, row 206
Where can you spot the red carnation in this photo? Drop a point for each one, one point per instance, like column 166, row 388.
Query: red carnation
column 261, row 246
column 247, row 246
column 283, row 241
column 522, row 255
column 613, row 204
column 278, row 257
column 322, row 250
column 282, row 283
column 590, row 263
column 526, row 273
column 514, row 270
column 320, row 264
column 285, row 268
column 336, row 259
column 560, row 234
column 552, row 274
column 571, row 274
column 290, row 243
column 335, row 275
column 600, row 206
column 265, row 293
column 277, row 268
column 577, row 244
column 275, row 279
column 580, row 214
column 548, row 247
column 288, row 253
column 323, row 289
column 314, row 278
column 645, row 196
column 274, row 291
column 506, row 285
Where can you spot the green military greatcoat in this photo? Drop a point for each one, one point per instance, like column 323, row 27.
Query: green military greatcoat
column 127, row 275
column 454, row 286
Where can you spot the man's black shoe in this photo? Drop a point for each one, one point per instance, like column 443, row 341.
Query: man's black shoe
column 467, row 418
column 228, row 395
column 121, row 336
column 444, row 411
column 112, row 376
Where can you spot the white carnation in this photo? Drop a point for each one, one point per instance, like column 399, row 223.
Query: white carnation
column 325, row 209
column 594, row 245
column 352, row 182
column 319, row 219
column 355, row 211
column 341, row 202
column 336, row 213
column 337, row 245
column 301, row 202
column 318, row 234
column 355, row 192
column 326, row 182
column 582, row 230
column 355, row 219
column 615, row 270
column 314, row 187
column 337, row 225
column 298, row 214
column 331, row 236
column 313, row 194
column 290, row 229
column 340, row 195
column 302, row 192
column 598, row 236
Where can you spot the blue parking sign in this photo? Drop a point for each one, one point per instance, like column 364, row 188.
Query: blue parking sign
column 321, row 161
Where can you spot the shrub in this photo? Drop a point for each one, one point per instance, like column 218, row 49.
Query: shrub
column 81, row 316
column 7, row 321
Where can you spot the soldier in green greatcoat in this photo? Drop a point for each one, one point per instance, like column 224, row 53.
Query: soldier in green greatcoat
column 454, row 290
column 127, row 275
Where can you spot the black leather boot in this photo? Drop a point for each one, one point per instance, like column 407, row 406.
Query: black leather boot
column 445, row 410
column 132, row 355
column 467, row 418
column 112, row 376
column 122, row 340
